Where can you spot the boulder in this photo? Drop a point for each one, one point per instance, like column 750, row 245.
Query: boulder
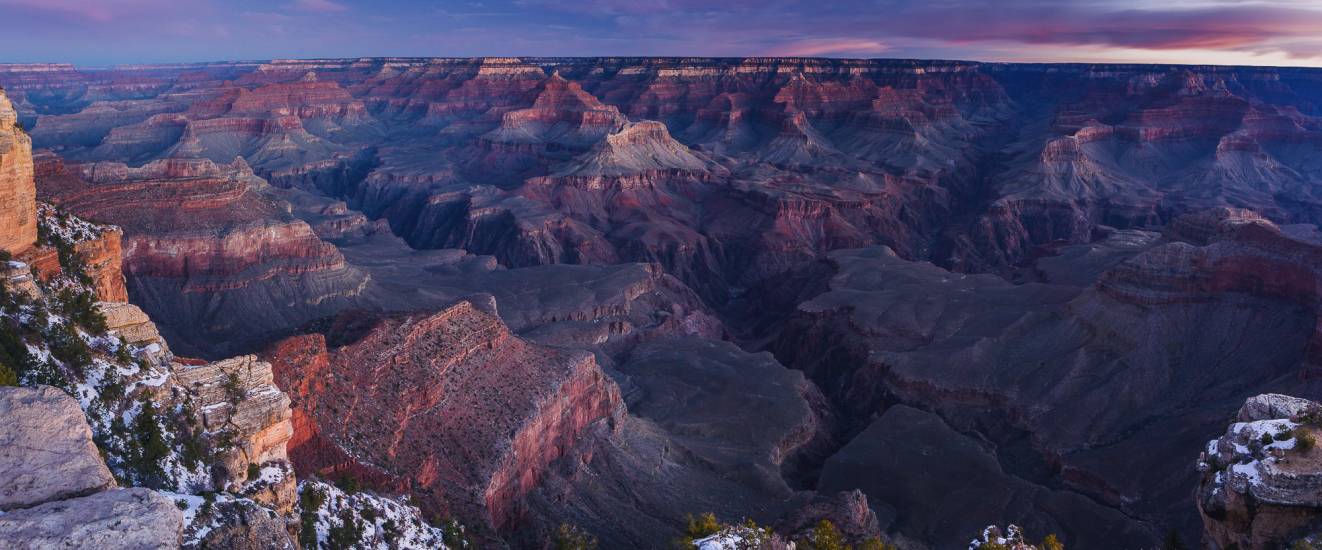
column 46, row 449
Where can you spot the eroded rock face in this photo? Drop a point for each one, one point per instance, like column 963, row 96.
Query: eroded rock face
column 450, row 407
column 1166, row 322
column 238, row 400
column 1261, row 483
column 213, row 233
column 18, row 192
column 46, row 449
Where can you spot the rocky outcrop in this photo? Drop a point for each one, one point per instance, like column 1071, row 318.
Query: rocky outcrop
column 18, row 193
column 449, row 407
column 46, row 451
column 116, row 519
column 1261, row 484
column 237, row 400
column 56, row 490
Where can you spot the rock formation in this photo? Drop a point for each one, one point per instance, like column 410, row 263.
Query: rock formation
column 435, row 381
column 56, row 490
column 18, row 193
column 1260, row 481
column 48, row 453
column 221, row 236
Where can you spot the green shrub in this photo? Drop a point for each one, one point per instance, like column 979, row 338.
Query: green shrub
column 81, row 308
column 824, row 536
column 347, row 534
column 7, row 376
column 254, row 471
column 152, row 449
column 702, row 526
column 875, row 543
column 348, row 484
column 70, row 349
column 1304, row 440
column 310, row 501
column 453, row 534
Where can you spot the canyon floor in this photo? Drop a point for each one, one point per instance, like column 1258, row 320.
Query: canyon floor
column 915, row 298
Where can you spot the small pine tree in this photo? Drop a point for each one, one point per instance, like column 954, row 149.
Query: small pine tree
column 310, row 500
column 347, row 534
column 701, row 526
column 825, row 536
column 152, row 444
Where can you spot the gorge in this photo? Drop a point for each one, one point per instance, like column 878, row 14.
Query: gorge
column 914, row 298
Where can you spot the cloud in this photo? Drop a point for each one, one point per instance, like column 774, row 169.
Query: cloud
column 319, row 6
column 829, row 46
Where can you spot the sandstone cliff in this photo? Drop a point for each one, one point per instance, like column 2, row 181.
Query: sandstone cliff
column 18, row 193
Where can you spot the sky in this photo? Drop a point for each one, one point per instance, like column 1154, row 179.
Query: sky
column 111, row 32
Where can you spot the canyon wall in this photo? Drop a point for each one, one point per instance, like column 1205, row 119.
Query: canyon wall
column 18, row 192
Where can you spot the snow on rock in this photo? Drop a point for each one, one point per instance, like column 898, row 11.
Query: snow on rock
column 1262, row 480
column 375, row 522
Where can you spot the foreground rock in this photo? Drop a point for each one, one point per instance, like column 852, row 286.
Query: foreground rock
column 120, row 518
column 46, row 449
column 55, row 490
column 1261, row 483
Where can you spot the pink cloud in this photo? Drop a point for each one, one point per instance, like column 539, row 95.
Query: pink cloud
column 829, row 46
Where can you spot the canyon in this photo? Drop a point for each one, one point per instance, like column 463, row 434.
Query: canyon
column 916, row 298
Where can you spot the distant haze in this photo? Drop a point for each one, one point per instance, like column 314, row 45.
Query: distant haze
column 1272, row 32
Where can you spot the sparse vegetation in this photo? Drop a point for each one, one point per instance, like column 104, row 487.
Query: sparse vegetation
column 347, row 534
column 571, row 537
column 703, row 525
column 151, row 449
column 233, row 388
column 825, row 536
column 7, row 376
column 1304, row 441
column 875, row 543
column 310, row 501
column 254, row 471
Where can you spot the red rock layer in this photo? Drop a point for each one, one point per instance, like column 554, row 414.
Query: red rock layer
column 450, row 407
column 193, row 220
column 1232, row 251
